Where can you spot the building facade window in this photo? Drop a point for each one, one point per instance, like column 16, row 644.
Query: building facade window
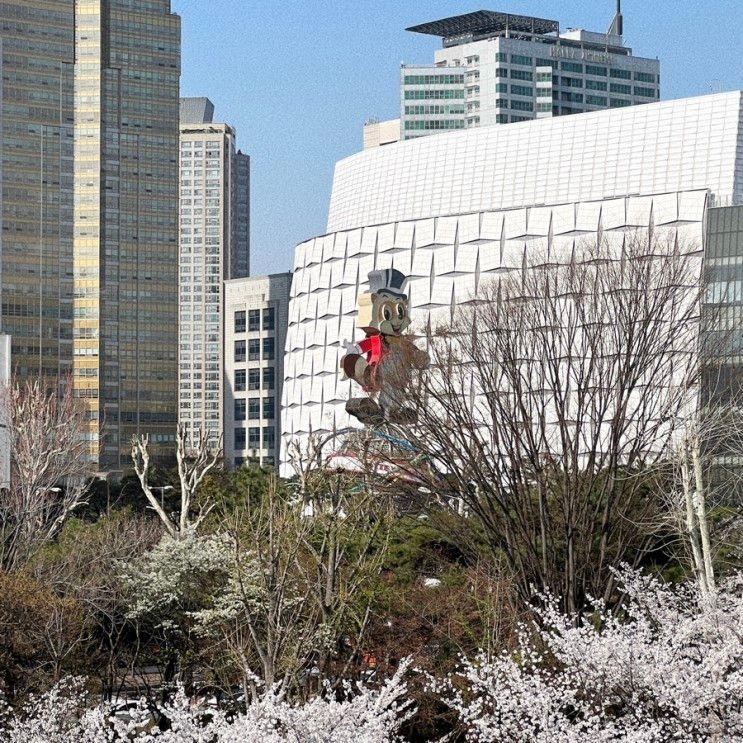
column 240, row 321
column 269, row 318
column 254, row 437
column 521, row 75
column 445, row 79
column 254, row 320
column 269, row 349
column 240, row 410
column 269, row 437
column 522, row 90
column 269, row 409
column 239, row 380
column 254, row 379
column 644, row 77
column 254, row 409
column 239, row 351
column 269, row 378
column 254, row 349
column 239, row 439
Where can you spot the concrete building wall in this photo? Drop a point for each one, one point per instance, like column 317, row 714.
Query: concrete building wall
column 255, row 322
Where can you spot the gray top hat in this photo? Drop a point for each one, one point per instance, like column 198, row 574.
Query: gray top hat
column 388, row 281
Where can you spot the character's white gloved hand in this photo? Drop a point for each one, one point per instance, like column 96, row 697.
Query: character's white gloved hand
column 351, row 348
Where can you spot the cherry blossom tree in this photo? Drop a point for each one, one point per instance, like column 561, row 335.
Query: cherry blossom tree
column 365, row 716
column 671, row 668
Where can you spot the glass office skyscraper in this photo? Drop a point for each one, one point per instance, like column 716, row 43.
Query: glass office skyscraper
column 127, row 68
column 36, row 173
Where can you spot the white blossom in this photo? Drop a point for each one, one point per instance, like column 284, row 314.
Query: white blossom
column 161, row 579
column 670, row 670
column 368, row 716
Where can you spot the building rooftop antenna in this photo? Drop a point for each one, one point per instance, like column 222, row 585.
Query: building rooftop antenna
column 617, row 24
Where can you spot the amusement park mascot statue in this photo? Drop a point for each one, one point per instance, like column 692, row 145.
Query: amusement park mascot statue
column 382, row 362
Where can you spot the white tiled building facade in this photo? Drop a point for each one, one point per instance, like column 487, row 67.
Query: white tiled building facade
column 255, row 322
column 456, row 210
column 499, row 68
column 213, row 246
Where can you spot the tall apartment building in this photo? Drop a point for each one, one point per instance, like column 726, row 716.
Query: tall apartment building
column 213, row 246
column 499, row 68
column 125, row 249
column 255, row 322
column 36, row 146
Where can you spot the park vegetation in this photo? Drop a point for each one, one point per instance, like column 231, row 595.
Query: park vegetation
column 551, row 552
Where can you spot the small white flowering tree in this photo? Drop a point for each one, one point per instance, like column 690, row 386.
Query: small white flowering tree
column 671, row 669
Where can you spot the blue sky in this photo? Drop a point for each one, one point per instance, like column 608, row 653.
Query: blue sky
column 298, row 78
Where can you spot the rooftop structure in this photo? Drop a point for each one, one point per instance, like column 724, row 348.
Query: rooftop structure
column 484, row 24
column 196, row 111
column 378, row 133
column 499, row 68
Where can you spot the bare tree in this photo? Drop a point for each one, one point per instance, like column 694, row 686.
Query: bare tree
column 552, row 398
column 49, row 468
column 303, row 564
column 707, row 472
column 195, row 460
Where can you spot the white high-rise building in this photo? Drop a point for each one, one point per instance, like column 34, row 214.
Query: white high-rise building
column 255, row 322
column 499, row 68
column 213, row 246
column 456, row 211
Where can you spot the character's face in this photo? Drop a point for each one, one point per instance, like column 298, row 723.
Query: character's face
column 382, row 313
column 391, row 314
